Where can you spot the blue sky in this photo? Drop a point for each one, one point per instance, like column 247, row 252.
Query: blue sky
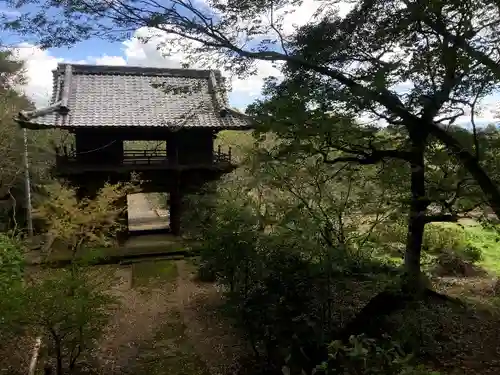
column 40, row 63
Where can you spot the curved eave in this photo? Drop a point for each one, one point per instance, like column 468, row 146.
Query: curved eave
column 35, row 126
column 26, row 123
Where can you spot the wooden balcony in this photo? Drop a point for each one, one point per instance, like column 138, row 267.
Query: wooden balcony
column 70, row 162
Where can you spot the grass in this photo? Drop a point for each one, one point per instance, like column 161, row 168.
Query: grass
column 485, row 239
column 169, row 351
column 146, row 273
column 488, row 241
column 181, row 358
column 453, row 236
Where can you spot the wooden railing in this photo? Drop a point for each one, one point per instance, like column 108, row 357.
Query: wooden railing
column 145, row 157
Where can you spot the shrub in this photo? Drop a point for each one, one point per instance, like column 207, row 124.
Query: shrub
column 11, row 262
column 451, row 263
column 68, row 310
column 11, row 277
column 206, row 272
column 83, row 223
column 472, row 253
column 440, row 238
column 367, row 356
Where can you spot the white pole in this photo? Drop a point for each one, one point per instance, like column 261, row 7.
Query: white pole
column 34, row 356
column 27, row 185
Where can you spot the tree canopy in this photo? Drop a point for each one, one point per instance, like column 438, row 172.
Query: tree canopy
column 417, row 66
column 443, row 53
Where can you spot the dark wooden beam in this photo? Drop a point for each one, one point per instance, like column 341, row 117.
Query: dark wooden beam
column 175, row 206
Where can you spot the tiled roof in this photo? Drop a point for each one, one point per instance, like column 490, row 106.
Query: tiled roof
column 123, row 96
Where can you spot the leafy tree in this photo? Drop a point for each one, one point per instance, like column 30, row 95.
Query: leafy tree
column 357, row 64
column 285, row 252
column 79, row 223
column 68, row 309
column 363, row 56
column 12, row 196
column 449, row 190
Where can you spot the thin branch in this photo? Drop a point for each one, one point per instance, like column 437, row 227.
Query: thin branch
column 374, row 157
column 440, row 218
column 277, row 31
column 473, row 120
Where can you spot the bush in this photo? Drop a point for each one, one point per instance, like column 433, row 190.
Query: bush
column 83, row 223
column 439, row 238
column 367, row 356
column 11, row 278
column 11, row 262
column 206, row 272
column 67, row 309
column 472, row 253
column 457, row 264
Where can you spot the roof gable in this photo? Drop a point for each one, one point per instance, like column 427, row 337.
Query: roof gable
column 121, row 96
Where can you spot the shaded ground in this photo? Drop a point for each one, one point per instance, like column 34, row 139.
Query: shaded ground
column 167, row 324
column 170, row 324
column 466, row 341
column 452, row 338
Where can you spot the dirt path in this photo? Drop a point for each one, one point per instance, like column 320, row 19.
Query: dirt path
column 136, row 320
column 167, row 324
column 217, row 344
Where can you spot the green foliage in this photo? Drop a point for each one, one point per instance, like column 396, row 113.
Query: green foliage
column 82, row 223
column 11, row 262
column 448, row 249
column 68, row 308
column 472, row 253
column 439, row 238
column 11, row 279
column 362, row 355
column 285, row 222
column 486, row 239
column 12, row 198
column 268, row 247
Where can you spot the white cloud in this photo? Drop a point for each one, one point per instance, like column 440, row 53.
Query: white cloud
column 486, row 112
column 158, row 52
column 38, row 65
column 10, row 13
column 108, row 60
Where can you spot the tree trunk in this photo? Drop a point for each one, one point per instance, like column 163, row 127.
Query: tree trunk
column 59, row 361
column 389, row 301
column 418, row 207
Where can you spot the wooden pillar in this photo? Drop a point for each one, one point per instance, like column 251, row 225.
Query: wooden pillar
column 175, row 206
